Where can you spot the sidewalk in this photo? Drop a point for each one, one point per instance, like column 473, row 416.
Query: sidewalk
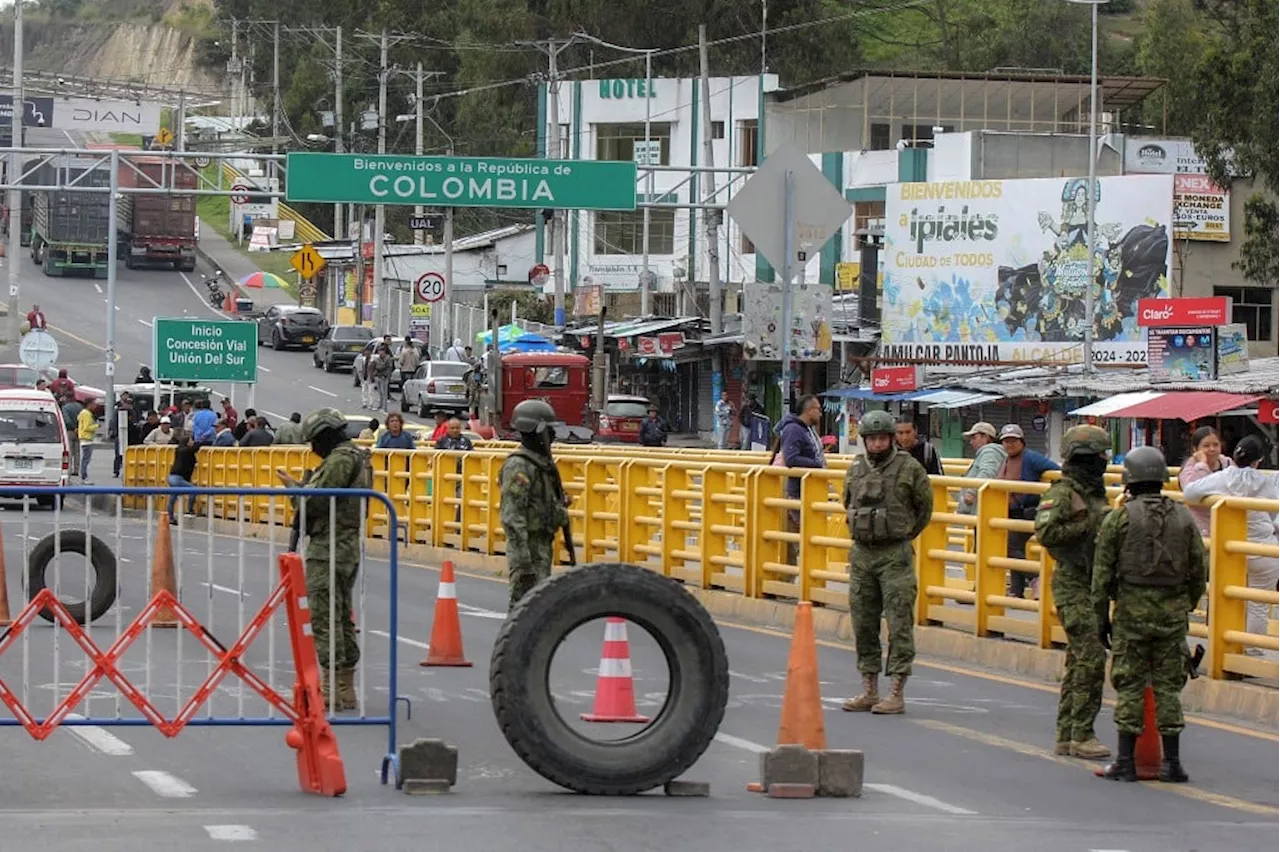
column 220, row 253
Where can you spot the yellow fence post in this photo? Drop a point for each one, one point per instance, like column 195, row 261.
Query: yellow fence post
column 931, row 554
column 1227, row 523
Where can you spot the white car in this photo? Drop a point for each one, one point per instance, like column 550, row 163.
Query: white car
column 438, row 385
column 34, row 450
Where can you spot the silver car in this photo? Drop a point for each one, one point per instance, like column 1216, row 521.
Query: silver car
column 438, row 385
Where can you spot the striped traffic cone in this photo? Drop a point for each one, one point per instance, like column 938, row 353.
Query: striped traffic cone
column 615, row 690
column 446, row 631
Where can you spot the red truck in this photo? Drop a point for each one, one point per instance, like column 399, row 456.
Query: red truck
column 157, row 229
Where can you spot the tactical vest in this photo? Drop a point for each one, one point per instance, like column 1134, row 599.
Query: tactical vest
column 877, row 513
column 1154, row 551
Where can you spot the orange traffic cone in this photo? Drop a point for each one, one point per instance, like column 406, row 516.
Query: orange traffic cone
column 162, row 574
column 446, row 631
column 801, row 722
column 615, row 689
column 5, row 620
column 1148, row 752
column 228, row 304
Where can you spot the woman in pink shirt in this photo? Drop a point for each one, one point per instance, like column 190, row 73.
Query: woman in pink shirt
column 1206, row 458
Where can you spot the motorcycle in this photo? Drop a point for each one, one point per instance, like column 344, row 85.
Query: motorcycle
column 212, row 284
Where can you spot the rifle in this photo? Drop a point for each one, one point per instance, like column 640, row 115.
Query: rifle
column 1193, row 664
column 567, row 529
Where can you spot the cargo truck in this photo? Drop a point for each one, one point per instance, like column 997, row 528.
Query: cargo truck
column 70, row 230
column 157, row 230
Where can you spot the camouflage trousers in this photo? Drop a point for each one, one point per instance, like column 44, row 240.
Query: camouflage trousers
column 1084, row 673
column 1138, row 661
column 882, row 583
column 346, row 652
column 533, row 569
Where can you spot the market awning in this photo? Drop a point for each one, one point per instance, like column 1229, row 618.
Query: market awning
column 1171, row 405
column 956, row 398
column 868, row 393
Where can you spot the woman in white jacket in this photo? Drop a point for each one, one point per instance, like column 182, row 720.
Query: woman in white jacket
column 1246, row 480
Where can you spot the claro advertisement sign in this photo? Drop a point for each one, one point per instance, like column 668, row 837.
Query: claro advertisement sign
column 979, row 272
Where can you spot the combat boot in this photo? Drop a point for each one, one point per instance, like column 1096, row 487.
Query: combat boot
column 1123, row 769
column 893, row 703
column 346, row 690
column 1090, row 749
column 1171, row 770
column 869, row 698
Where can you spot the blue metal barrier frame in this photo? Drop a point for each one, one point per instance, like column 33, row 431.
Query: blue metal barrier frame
column 390, row 761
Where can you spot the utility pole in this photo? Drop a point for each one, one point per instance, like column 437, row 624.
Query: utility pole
column 646, row 277
column 418, row 210
column 180, row 133
column 233, row 68
column 380, row 211
column 712, row 217
column 15, row 177
column 275, row 88
column 447, row 327
column 339, row 221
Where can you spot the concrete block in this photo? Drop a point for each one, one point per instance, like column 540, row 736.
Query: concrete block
column 789, row 764
column 681, row 789
column 791, row 791
column 840, row 772
column 429, row 760
column 425, row 787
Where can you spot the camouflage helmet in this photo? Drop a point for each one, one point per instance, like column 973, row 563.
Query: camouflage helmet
column 1145, row 464
column 533, row 416
column 876, row 423
column 1085, row 441
column 320, row 420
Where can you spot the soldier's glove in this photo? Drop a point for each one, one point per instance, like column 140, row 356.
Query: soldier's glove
column 1104, row 630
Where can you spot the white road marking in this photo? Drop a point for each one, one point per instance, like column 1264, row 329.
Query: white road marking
column 323, row 391
column 920, row 799
column 97, row 287
column 224, row 589
column 203, row 300
column 413, row 643
column 147, row 323
column 264, row 369
column 165, row 785
column 888, row 789
column 480, row 612
column 752, row 678
column 231, row 833
column 100, row 739
column 272, row 414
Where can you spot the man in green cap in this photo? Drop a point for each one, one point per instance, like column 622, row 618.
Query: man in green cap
column 1067, row 523
column 533, row 505
column 333, row 527
column 1151, row 561
column 889, row 502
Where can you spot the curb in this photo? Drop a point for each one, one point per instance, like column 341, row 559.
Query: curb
column 1246, row 702
column 236, row 292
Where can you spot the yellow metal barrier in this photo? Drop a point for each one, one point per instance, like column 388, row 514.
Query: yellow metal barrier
column 730, row 525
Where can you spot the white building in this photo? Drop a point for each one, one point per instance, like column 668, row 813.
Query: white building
column 605, row 120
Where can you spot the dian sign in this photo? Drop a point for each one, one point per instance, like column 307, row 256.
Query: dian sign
column 1172, row 313
column 894, row 379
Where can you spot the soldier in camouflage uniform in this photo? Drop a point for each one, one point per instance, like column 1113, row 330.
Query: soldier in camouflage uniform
column 533, row 507
column 333, row 542
column 1152, row 563
column 889, row 503
column 1067, row 523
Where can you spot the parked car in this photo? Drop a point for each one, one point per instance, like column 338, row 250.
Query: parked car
column 290, row 325
column 438, row 385
column 33, row 441
column 340, row 346
column 83, row 393
column 357, row 366
column 622, row 418
column 18, row 376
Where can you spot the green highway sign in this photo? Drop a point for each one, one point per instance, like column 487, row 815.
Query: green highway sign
column 194, row 350
column 461, row 181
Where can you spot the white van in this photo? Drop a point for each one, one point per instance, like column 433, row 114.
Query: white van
column 33, row 441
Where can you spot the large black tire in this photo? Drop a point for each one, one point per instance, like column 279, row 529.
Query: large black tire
column 681, row 731
column 103, row 593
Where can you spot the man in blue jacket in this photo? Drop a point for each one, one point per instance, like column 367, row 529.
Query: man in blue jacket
column 1021, row 465
column 799, row 446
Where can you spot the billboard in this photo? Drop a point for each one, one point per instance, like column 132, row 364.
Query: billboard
column 985, row 272
column 1182, row 354
column 1201, row 208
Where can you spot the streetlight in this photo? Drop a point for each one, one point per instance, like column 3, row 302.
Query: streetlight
column 1093, row 180
column 648, row 153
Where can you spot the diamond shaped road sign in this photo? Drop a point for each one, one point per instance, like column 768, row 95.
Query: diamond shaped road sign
column 759, row 207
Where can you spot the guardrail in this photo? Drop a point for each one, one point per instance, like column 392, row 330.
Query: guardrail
column 721, row 519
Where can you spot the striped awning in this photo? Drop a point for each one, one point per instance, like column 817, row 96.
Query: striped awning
column 1188, row 406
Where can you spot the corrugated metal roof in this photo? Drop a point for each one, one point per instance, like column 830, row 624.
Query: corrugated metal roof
column 1104, row 407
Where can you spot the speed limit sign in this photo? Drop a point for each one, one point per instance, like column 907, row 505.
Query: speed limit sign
column 429, row 287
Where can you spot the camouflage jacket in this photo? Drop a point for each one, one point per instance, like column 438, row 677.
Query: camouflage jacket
column 1146, row 610
column 347, row 466
column 531, row 503
column 911, row 489
column 1067, row 523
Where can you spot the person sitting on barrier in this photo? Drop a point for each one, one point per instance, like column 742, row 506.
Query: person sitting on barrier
column 1067, row 523
column 222, row 436
column 258, row 435
column 1151, row 561
column 290, row 431
column 332, row 566
column 533, row 503
column 395, row 438
column 1206, row 458
column 181, row 474
column 988, row 456
column 370, row 432
column 889, row 503
column 442, row 424
column 1245, row 479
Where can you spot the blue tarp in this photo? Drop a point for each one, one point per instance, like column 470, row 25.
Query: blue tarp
column 527, row 343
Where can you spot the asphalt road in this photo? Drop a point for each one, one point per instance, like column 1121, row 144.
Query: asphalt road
column 966, row 768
